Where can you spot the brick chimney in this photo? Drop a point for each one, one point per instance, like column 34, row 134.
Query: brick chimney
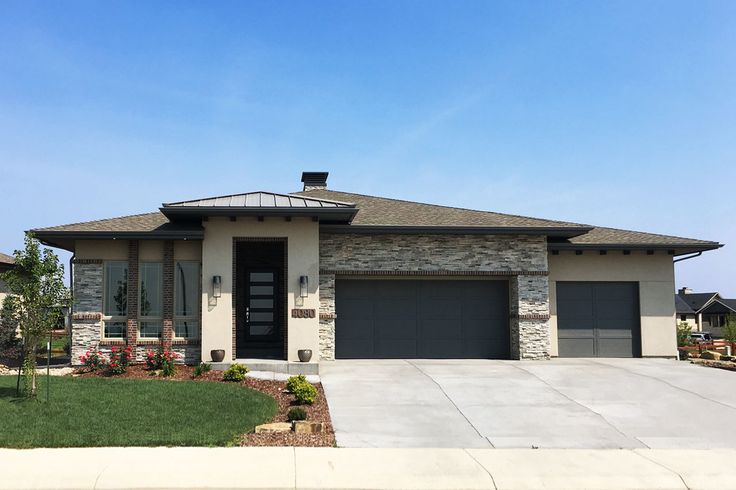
column 314, row 180
column 684, row 291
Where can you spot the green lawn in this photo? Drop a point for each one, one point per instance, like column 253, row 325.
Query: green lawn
column 126, row 412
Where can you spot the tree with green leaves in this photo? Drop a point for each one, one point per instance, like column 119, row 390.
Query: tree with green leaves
column 37, row 293
column 729, row 329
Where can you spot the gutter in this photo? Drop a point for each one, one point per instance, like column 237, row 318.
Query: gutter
column 698, row 254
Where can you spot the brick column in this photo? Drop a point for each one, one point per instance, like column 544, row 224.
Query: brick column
column 132, row 330
column 168, row 269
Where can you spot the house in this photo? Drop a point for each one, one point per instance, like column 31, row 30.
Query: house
column 263, row 275
column 7, row 262
column 710, row 310
column 685, row 314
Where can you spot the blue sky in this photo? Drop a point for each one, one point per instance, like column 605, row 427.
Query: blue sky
column 614, row 113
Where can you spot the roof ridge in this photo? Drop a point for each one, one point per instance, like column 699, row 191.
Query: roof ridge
column 100, row 220
column 165, row 204
column 453, row 207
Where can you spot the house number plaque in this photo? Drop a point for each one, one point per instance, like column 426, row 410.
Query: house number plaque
column 302, row 313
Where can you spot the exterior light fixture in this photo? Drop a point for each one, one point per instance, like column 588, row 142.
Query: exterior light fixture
column 216, row 286
column 303, row 286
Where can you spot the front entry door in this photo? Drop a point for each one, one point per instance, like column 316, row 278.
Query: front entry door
column 261, row 316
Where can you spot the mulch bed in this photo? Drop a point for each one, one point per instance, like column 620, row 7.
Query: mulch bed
column 317, row 412
column 727, row 365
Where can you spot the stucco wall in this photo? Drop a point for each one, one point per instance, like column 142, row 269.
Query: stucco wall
column 656, row 278
column 522, row 259
column 302, row 236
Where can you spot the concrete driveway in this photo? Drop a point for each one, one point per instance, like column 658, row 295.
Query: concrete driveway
column 563, row 403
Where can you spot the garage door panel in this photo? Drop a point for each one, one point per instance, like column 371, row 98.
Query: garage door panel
column 440, row 308
column 581, row 309
column 442, row 349
column 579, row 347
column 395, row 348
column 614, row 348
column 436, row 329
column 422, row 318
column 598, row 319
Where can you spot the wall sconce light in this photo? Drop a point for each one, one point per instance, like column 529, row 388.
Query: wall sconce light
column 216, row 286
column 303, row 286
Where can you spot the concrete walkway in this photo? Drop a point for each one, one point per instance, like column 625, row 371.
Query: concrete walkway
column 331, row 468
column 562, row 403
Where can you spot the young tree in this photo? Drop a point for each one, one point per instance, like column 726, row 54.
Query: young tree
column 729, row 329
column 37, row 289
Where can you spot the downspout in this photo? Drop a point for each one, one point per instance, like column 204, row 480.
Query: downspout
column 698, row 318
column 698, row 254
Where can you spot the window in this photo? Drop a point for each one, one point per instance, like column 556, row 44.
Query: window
column 683, row 318
column 151, row 300
column 186, row 300
column 115, row 300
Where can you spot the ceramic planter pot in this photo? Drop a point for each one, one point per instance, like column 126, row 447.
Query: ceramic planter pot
column 305, row 355
column 217, row 355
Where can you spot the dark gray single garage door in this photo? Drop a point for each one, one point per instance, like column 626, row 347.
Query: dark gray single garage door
column 426, row 319
column 598, row 319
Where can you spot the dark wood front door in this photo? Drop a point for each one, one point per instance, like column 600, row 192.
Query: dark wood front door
column 260, row 311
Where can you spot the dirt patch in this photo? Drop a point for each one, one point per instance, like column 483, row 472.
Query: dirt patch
column 317, row 412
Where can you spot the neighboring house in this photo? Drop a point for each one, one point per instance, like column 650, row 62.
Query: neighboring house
column 7, row 262
column 710, row 309
column 685, row 314
column 263, row 275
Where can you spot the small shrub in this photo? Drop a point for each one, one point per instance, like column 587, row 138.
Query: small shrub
column 304, row 392
column 297, row 413
column 295, row 381
column 93, row 360
column 119, row 360
column 201, row 368
column 162, row 360
column 683, row 334
column 236, row 372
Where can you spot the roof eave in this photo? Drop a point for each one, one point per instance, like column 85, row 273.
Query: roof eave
column 344, row 214
column 562, row 232
column 65, row 239
column 677, row 248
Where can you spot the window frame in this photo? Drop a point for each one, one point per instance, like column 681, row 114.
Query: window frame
column 105, row 318
column 197, row 314
column 149, row 318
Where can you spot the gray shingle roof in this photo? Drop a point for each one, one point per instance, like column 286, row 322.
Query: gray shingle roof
column 696, row 301
column 381, row 211
column 600, row 235
column 681, row 307
column 372, row 213
column 7, row 259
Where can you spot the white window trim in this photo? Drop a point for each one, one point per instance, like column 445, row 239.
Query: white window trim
column 111, row 318
column 197, row 316
column 142, row 318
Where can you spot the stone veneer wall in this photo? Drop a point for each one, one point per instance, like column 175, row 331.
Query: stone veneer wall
column 87, row 311
column 521, row 258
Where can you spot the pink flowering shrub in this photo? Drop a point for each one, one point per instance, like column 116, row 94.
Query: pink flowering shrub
column 93, row 360
column 119, row 360
column 116, row 364
column 163, row 360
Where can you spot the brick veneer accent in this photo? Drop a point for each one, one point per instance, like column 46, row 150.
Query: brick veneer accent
column 132, row 327
column 168, row 294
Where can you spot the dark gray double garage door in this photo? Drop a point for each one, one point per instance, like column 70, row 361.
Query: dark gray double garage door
column 598, row 319
column 426, row 319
